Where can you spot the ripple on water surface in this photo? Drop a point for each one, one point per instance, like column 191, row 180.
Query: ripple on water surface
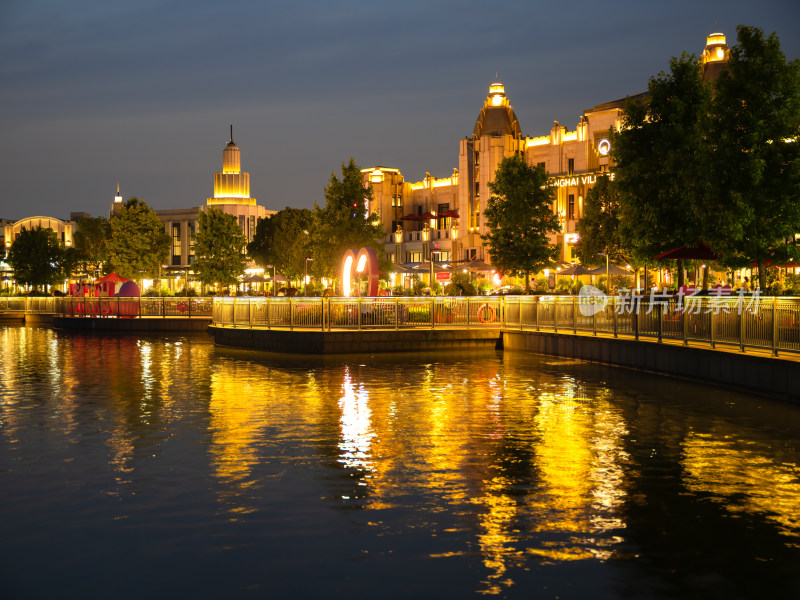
column 133, row 465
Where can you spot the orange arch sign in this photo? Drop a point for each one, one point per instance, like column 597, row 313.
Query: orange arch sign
column 365, row 261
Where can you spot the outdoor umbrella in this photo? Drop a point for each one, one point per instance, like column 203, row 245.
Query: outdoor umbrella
column 576, row 270
column 426, row 268
column 612, row 270
column 476, row 265
column 255, row 279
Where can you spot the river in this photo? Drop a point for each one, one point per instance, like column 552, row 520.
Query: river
column 163, row 467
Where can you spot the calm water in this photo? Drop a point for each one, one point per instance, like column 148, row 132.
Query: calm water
column 138, row 467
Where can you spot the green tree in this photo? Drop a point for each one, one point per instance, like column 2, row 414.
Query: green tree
column 138, row 244
column 219, row 248
column 90, row 242
column 753, row 128
column 282, row 240
column 37, row 257
column 661, row 159
column 343, row 223
column 519, row 219
column 599, row 228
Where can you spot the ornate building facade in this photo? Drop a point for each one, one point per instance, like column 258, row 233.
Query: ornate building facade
column 441, row 217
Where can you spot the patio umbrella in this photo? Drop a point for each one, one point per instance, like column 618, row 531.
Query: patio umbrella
column 476, row 265
column 576, row 270
column 426, row 268
column 255, row 279
column 612, row 270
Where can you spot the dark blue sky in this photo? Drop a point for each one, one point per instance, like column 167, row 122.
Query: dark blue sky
column 98, row 91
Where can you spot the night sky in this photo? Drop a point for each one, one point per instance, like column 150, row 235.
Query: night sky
column 97, row 91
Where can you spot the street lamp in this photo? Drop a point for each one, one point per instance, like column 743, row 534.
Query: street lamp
column 305, row 276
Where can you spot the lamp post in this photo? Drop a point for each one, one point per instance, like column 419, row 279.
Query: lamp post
column 305, row 276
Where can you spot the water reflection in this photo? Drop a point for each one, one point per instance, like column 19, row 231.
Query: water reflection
column 502, row 465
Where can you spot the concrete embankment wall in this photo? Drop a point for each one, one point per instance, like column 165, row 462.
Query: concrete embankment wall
column 751, row 372
column 131, row 325
column 346, row 342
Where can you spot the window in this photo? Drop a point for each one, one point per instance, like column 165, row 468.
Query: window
column 571, row 166
column 252, row 231
column 571, row 207
column 176, row 243
column 541, row 164
column 241, row 224
column 413, row 257
column 442, row 222
column 192, row 240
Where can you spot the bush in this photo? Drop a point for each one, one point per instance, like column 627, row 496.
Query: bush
column 460, row 285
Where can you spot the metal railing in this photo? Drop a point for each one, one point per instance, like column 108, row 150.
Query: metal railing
column 326, row 314
column 133, row 307
column 745, row 321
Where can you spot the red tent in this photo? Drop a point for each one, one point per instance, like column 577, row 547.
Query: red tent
column 111, row 277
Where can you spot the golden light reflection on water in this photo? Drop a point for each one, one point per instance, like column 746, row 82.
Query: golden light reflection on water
column 490, row 457
column 743, row 475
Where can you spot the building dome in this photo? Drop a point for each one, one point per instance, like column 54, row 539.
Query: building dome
column 497, row 117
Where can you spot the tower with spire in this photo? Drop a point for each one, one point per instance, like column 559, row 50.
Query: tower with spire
column 232, row 185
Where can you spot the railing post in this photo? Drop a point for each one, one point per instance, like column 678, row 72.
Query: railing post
column 291, row 314
column 555, row 314
column 636, row 306
column 594, row 315
column 660, row 321
column 396, row 313
column 139, row 316
column 538, row 308
column 250, row 312
column 774, row 326
column 574, row 316
column 684, row 325
column 520, row 312
column 467, row 312
column 742, row 313
column 711, row 325
column 189, row 305
column 358, row 306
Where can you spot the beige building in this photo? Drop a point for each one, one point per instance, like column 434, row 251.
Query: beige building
column 231, row 196
column 63, row 229
column 442, row 216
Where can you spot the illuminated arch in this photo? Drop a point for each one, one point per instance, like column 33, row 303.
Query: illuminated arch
column 366, row 260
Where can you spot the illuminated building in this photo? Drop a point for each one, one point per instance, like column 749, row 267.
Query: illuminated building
column 63, row 229
column 231, row 196
column 455, row 204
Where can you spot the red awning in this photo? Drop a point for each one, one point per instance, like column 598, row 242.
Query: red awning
column 701, row 252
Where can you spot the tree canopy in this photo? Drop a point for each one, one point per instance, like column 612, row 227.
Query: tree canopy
column 661, row 156
column 519, row 218
column 219, row 248
column 715, row 162
column 344, row 222
column 282, row 240
column 138, row 244
column 599, row 228
column 38, row 257
column 90, row 242
column 753, row 129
